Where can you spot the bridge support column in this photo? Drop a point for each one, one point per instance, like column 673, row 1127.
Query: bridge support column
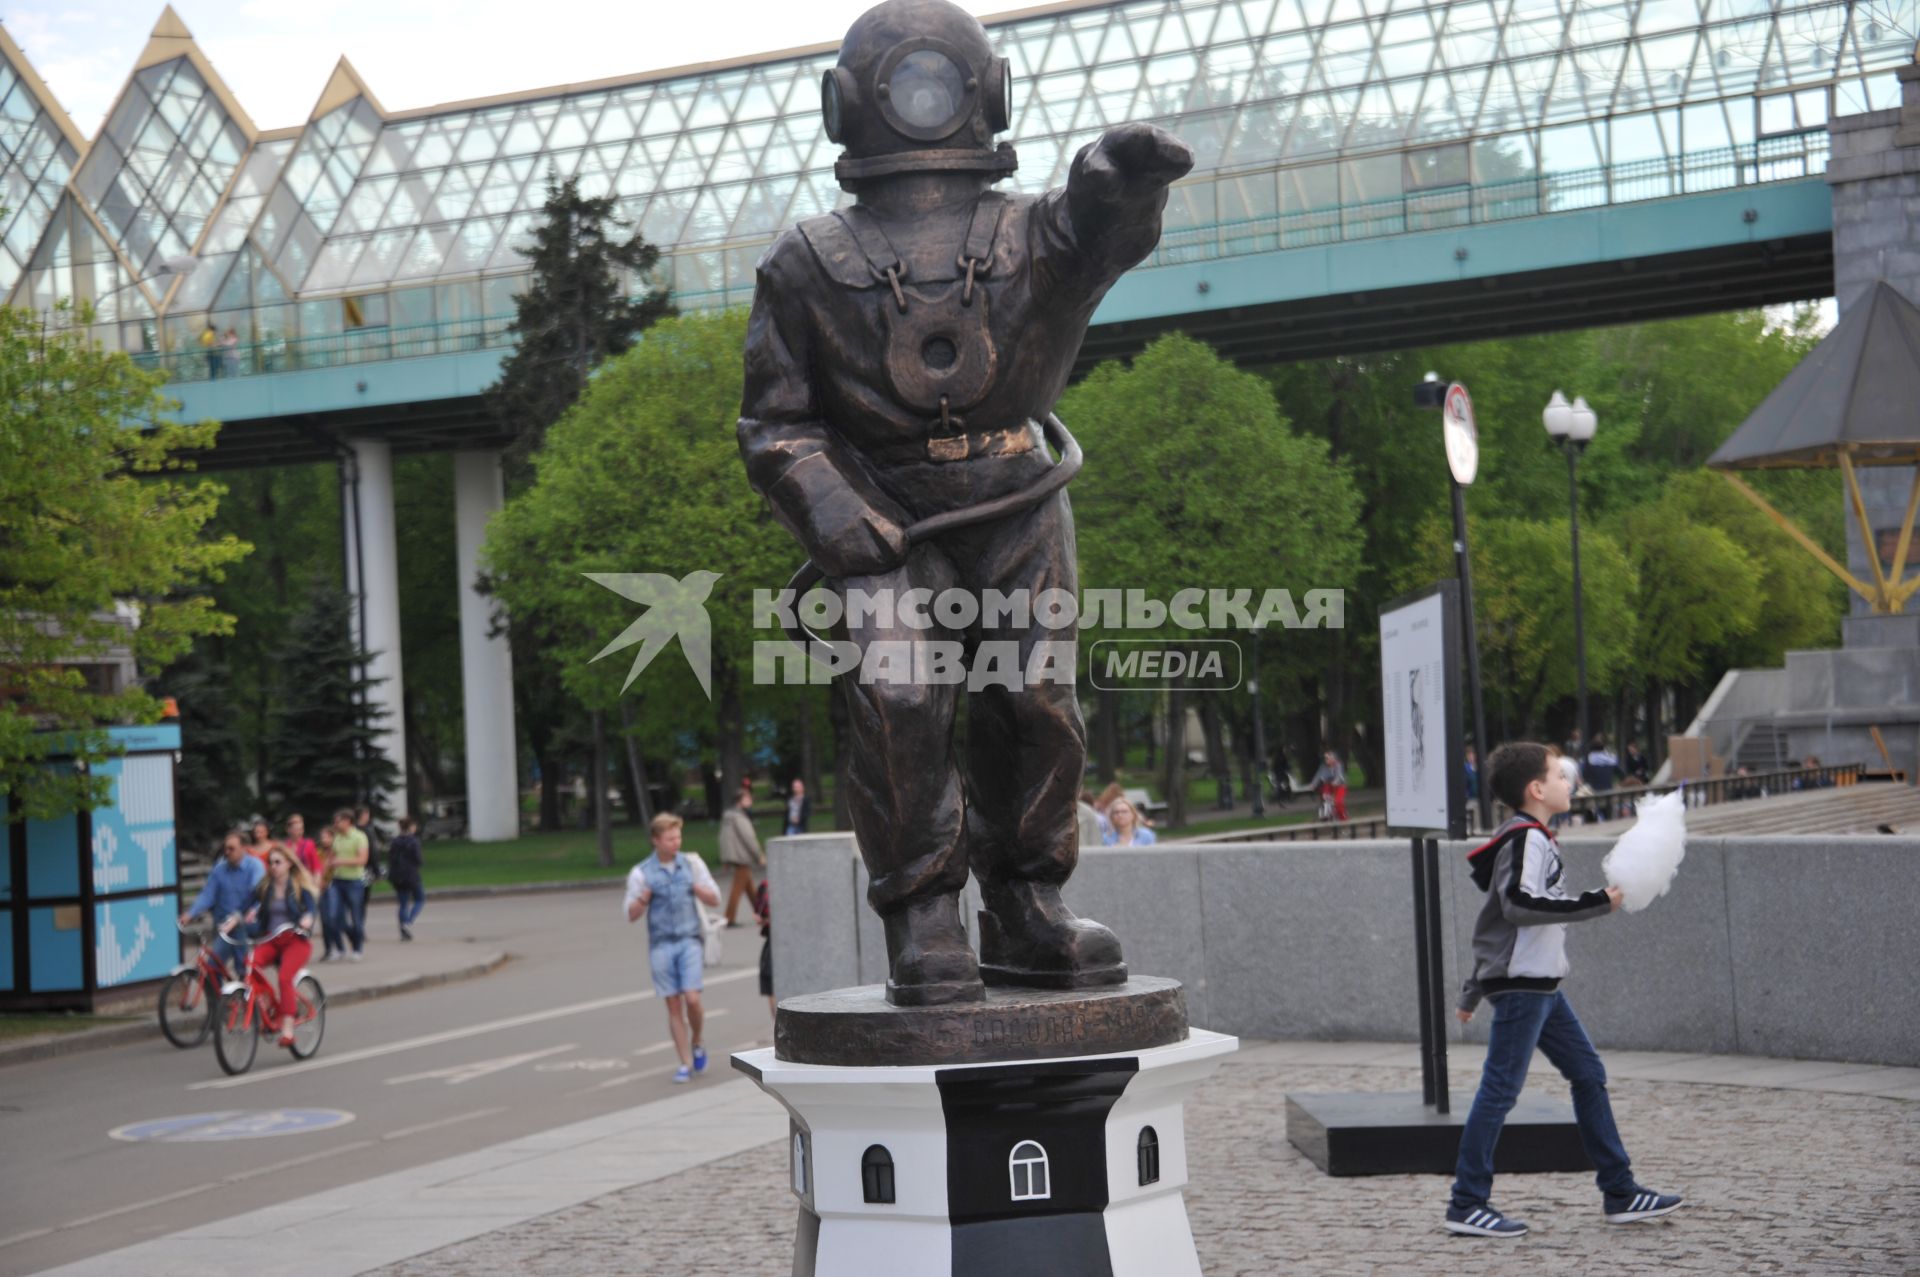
column 373, row 578
column 486, row 662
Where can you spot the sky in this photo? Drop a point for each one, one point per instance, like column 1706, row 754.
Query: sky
column 276, row 55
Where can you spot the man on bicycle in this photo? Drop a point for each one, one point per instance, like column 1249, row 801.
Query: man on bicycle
column 229, row 891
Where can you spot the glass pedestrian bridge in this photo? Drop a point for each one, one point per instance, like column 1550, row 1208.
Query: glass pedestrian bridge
column 369, row 235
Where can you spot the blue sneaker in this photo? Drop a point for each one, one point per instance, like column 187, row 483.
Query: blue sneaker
column 1641, row 1203
column 699, row 1059
column 1483, row 1221
column 681, row 1075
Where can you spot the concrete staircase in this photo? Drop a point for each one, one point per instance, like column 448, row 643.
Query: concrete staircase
column 1763, row 749
column 1856, row 809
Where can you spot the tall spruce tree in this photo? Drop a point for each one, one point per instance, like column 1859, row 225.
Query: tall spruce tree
column 577, row 310
column 324, row 747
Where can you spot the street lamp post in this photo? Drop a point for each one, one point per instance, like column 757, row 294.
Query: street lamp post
column 1259, row 804
column 1572, row 427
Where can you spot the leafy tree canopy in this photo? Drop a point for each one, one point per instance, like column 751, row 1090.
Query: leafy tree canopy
column 103, row 550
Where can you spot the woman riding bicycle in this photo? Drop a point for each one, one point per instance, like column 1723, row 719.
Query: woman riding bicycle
column 280, row 922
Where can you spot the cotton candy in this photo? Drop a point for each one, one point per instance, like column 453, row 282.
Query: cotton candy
column 1643, row 862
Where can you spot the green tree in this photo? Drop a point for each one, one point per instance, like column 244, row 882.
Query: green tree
column 578, row 310
column 325, row 748
column 1523, row 601
column 643, row 475
column 210, row 783
column 1165, row 502
column 103, row 549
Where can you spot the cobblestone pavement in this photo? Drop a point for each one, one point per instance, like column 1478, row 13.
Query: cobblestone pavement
column 1778, row 1182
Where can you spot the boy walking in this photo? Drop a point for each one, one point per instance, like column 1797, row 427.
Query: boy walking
column 1519, row 959
column 664, row 887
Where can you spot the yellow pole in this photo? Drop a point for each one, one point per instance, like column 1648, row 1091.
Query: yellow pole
column 1807, row 543
column 1902, row 589
column 1882, row 597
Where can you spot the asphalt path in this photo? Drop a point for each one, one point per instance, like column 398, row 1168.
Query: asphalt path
column 569, row 1028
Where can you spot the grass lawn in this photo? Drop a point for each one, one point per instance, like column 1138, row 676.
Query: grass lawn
column 560, row 857
column 35, row 1024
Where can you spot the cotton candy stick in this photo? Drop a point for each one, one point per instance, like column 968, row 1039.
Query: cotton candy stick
column 1643, row 862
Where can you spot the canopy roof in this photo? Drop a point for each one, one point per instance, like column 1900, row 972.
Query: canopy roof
column 1857, row 392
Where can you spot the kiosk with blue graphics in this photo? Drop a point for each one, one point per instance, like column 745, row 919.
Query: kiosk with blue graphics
column 88, row 901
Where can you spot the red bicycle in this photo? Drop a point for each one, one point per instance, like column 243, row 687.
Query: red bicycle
column 190, row 994
column 251, row 1007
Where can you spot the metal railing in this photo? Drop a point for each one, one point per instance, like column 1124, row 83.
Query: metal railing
column 1768, row 160
column 1772, row 159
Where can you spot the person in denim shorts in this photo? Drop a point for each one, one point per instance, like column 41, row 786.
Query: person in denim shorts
column 665, row 887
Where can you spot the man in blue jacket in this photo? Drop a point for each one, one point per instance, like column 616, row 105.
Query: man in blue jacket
column 229, row 890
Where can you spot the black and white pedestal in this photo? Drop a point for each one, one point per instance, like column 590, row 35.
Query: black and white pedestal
column 1066, row 1167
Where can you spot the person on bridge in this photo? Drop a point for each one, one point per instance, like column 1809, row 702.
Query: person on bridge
column 281, row 921
column 228, row 891
column 665, row 887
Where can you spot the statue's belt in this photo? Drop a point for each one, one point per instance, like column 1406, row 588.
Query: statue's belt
column 969, row 445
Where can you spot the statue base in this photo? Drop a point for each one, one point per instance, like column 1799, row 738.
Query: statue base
column 858, row 1026
column 1046, row 1167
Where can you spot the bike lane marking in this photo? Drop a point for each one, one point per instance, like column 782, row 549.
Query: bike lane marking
column 286, row 1164
column 450, row 1035
column 455, row 1074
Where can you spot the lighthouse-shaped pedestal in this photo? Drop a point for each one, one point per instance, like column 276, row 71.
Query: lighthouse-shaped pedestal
column 1067, row 1165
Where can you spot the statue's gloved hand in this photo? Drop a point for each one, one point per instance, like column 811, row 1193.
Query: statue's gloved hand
column 846, row 532
column 1130, row 161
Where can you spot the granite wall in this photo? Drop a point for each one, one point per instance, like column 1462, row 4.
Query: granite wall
column 1802, row 947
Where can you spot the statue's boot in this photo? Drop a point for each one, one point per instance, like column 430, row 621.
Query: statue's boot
column 1028, row 939
column 929, row 962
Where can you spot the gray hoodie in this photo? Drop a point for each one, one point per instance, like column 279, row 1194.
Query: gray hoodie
column 1519, row 940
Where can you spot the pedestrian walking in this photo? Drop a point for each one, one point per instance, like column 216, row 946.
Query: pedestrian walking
column 210, row 347
column 799, row 808
column 1124, row 827
column 330, row 933
column 740, row 850
column 1519, row 960
column 669, row 889
column 303, row 847
column 763, row 910
column 405, row 862
column 376, row 843
column 349, row 891
column 261, row 844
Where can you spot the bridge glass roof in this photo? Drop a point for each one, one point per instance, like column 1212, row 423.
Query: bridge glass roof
column 1297, row 109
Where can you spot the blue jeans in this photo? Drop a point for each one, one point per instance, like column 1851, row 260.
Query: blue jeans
column 412, row 897
column 234, row 955
column 678, row 965
column 349, row 914
column 1521, row 1021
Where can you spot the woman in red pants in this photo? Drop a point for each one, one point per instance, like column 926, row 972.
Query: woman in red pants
column 281, row 920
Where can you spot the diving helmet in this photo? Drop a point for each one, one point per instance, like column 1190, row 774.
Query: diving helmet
column 917, row 88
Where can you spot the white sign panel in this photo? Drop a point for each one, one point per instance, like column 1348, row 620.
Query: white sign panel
column 1413, row 666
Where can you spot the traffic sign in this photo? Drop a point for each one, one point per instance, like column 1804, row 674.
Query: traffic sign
column 1463, row 440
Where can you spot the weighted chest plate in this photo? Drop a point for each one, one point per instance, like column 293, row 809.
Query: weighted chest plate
column 940, row 348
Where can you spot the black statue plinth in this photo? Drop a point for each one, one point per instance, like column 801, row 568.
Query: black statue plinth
column 859, row 1027
column 1371, row 1133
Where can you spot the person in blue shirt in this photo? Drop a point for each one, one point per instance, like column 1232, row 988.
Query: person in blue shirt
column 1124, row 828
column 669, row 889
column 229, row 890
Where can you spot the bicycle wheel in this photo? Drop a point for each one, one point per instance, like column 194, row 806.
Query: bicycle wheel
column 236, row 1032
column 186, row 1010
column 309, row 1018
